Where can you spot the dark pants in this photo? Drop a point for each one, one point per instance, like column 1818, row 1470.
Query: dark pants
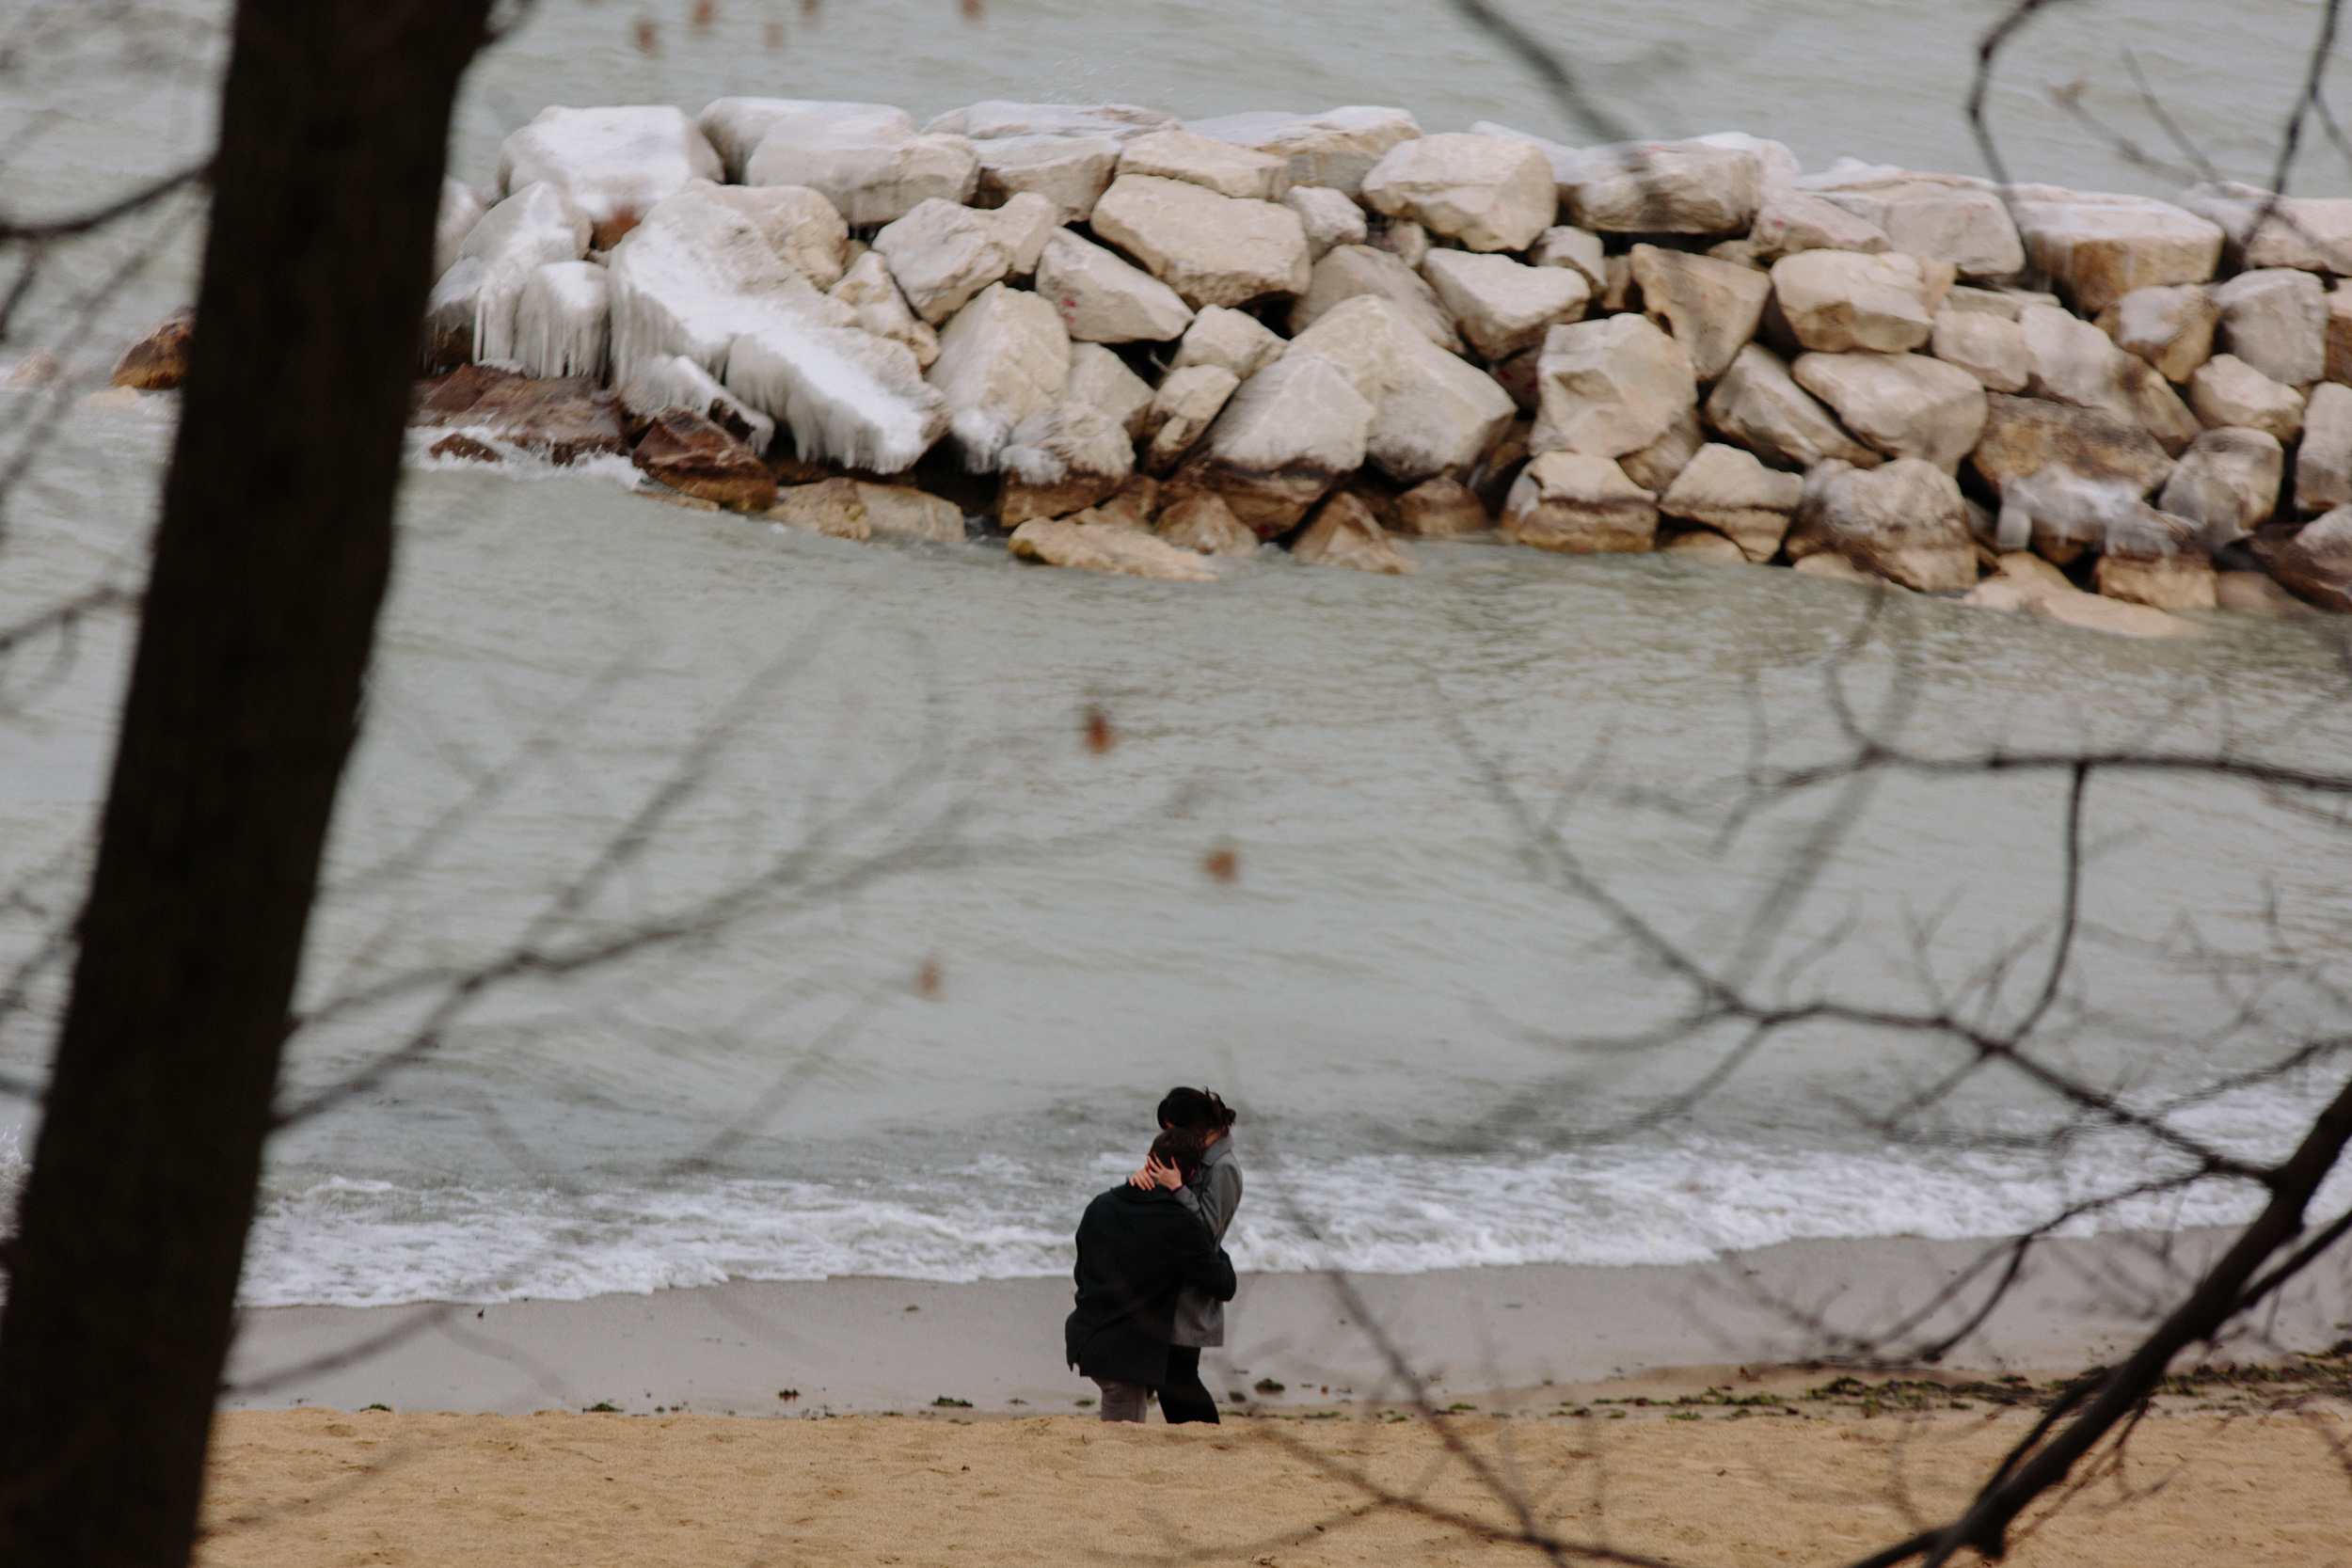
column 1181, row 1397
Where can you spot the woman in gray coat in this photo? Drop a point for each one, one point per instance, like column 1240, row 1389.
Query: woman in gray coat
column 1214, row 1192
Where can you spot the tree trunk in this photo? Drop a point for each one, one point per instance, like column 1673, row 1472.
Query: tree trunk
column 270, row 563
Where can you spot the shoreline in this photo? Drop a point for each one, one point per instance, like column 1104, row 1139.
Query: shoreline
column 870, row 1345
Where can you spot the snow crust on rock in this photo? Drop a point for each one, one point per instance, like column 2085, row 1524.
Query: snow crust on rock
column 673, row 381
column 461, row 208
column 475, row 298
column 615, row 164
column 564, row 321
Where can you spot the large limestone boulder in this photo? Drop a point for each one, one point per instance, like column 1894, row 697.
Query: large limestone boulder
column 1061, row 460
column 1230, row 339
column 867, row 159
column 831, row 507
column 2069, row 360
column 564, row 321
column 1502, row 306
column 1836, row 300
column 1207, row 525
column 1950, row 217
column 997, row 119
column 1336, row 149
column 1440, row 509
column 1103, row 300
column 1187, row 404
column 1433, row 413
column 2100, row 247
column 1757, row 405
column 692, row 454
column 942, row 254
column 1710, row 306
column 2276, row 320
column 1286, row 437
column 470, row 313
column 1489, row 192
column 1206, row 162
column 1579, row 504
column 1212, row 249
column 1345, row 533
column 1329, row 217
column 2064, row 474
column 1611, row 387
column 1728, row 490
column 1790, row 221
column 902, row 512
column 1004, row 357
column 1350, row 271
column 1906, row 406
column 1655, row 465
column 799, row 224
column 1663, row 188
column 612, row 164
column 2316, row 564
column 2226, row 391
column 1905, row 521
column 2170, row 327
column 1991, row 348
column 1072, row 172
column 2323, row 461
column 2312, row 233
column 2340, row 335
column 1563, row 246
column 882, row 309
column 2226, row 483
column 1106, row 546
column 1101, row 379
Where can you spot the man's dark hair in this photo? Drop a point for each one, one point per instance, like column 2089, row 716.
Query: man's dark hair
column 1196, row 1109
column 1181, row 1148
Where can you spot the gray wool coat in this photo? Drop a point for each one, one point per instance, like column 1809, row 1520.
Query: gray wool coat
column 1213, row 1196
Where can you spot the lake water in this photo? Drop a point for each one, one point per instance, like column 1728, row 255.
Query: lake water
column 996, row 945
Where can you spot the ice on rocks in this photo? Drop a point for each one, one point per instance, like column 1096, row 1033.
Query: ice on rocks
column 2312, row 233
column 1580, row 504
column 848, row 396
column 997, row 119
column 1206, row 162
column 869, row 291
column 1327, row 215
column 1757, row 405
column 1730, row 491
column 564, row 321
column 1351, row 271
column 1069, row 442
column 1663, row 188
column 1101, row 379
column 2100, row 247
column 2226, row 482
column 1836, row 300
column 867, row 159
column 461, row 208
column 800, row 224
column 2323, row 461
column 1710, row 306
column 1502, row 306
column 470, row 313
column 1004, row 357
column 1336, row 149
column 1072, row 172
column 1489, row 192
column 1905, row 521
column 673, row 381
column 2170, row 327
column 2276, row 320
column 1991, row 348
column 614, row 164
column 1212, row 249
column 2226, row 391
column 1103, row 299
column 1232, row 340
column 1610, row 387
column 1187, row 404
column 1950, row 217
column 1907, row 405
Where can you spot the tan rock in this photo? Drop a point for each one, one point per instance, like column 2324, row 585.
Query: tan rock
column 1134, row 504
column 1335, row 149
column 1072, row 172
column 1656, row 466
column 1836, row 568
column 1563, row 246
column 689, row 453
column 1345, row 533
column 1905, row 405
column 2019, row 579
column 1663, row 188
column 1440, row 509
column 2323, row 462
column 1205, row 161
column 1329, row 217
column 941, row 254
column 1004, row 357
column 1349, row 271
column 2255, row 593
column 1291, row 432
column 1759, row 404
column 1061, row 460
column 2069, row 360
column 1611, row 387
column 2100, row 247
column 2063, row 473
column 868, row 288
column 1230, row 339
column 2312, row 233
column 1502, row 306
column 1836, row 300
column 2170, row 327
column 1402, row 238
column 2225, row 483
column 1212, row 249
column 2276, row 320
column 1948, row 216
column 1489, row 192
column 1187, row 402
column 1986, row 346
column 2097, row 613
column 829, row 507
column 1024, row 223
column 1106, row 548
column 2316, row 564
column 2226, row 391
column 2162, row 567
column 1579, row 504
column 1701, row 544
column 1100, row 379
column 158, row 362
column 799, row 224
column 1726, row 490
column 1710, row 306
column 902, row 512
column 1433, row 413
column 1103, row 300
column 1205, row 525
column 2340, row 335
column 1790, row 221
column 1905, row 521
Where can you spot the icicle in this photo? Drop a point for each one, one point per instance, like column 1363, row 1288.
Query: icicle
column 563, row 321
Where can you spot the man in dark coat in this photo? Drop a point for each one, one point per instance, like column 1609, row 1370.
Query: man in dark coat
column 1137, row 1248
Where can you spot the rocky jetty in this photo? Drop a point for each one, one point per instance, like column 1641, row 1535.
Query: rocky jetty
column 1136, row 345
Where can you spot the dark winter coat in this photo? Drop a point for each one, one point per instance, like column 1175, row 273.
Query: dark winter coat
column 1136, row 1251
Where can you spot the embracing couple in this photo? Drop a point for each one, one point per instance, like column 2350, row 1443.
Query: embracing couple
column 1152, row 1277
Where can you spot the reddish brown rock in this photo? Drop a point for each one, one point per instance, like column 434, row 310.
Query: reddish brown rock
column 1016, row 503
column 563, row 419
column 159, row 361
column 690, row 452
column 465, row 447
